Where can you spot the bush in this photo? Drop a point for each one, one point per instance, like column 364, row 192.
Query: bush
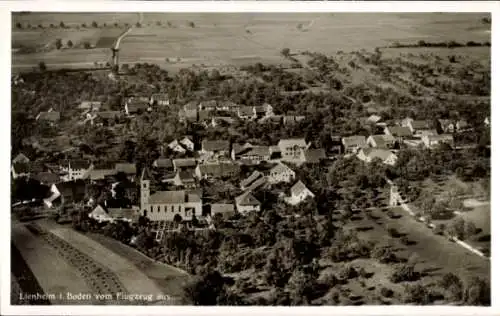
column 477, row 292
column 347, row 272
column 416, row 294
column 404, row 272
column 384, row 254
column 386, row 292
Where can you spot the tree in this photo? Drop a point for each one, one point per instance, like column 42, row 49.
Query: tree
column 404, row 272
column 69, row 44
column 42, row 66
column 138, row 24
column 19, row 25
column 86, row 45
column 84, row 25
column 61, row 24
column 285, row 52
column 94, row 24
column 206, row 289
column 191, row 24
column 58, row 43
column 477, row 292
column 453, row 287
column 416, row 294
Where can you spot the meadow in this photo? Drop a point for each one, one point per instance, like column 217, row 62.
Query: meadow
column 216, row 39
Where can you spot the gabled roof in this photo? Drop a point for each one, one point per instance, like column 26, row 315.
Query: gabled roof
column 373, row 153
column 216, row 208
column 420, row 124
column 247, row 199
column 174, row 197
column 122, row 213
column 163, row 163
column 47, row 178
column 99, row 174
column 89, row 104
column 280, row 168
column 254, row 176
column 300, row 142
column 127, row 168
column 439, row 137
column 382, row 140
column 219, row 169
column 350, row 141
column 20, row 158
column 185, row 176
column 107, row 115
column 238, row 148
column 314, row 155
column 184, row 162
column 257, row 183
column 246, row 111
column 146, row 174
column 74, row 189
column 257, row 151
column 215, row 145
column 399, row 131
column 52, row 116
column 374, row 118
column 298, row 187
column 191, row 106
column 76, row 164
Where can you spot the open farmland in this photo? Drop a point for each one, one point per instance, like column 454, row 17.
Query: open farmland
column 215, row 39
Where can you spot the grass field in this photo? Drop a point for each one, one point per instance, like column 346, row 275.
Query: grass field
column 241, row 38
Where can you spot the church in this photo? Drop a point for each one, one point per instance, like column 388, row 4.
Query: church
column 165, row 205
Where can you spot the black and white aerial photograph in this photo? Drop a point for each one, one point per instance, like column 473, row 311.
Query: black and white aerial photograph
column 250, row 158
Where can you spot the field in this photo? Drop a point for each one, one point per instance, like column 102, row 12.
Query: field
column 239, row 38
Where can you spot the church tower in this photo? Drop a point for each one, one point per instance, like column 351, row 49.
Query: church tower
column 145, row 190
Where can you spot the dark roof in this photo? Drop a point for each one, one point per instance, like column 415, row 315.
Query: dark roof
column 47, row 177
column 72, row 189
column 399, row 131
column 174, row 197
column 245, row 111
column 122, row 213
column 420, row 125
column 215, row 145
column 186, row 176
column 108, row 114
column 146, row 174
column 257, row 151
column 29, row 167
column 382, row 140
column 99, row 174
column 257, row 183
column 354, row 141
column 76, row 164
column 137, row 105
column 20, row 158
column 204, row 115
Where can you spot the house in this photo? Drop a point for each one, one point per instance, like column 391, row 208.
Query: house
column 398, row 132
column 265, row 110
column 433, row 141
column 127, row 168
column 247, row 113
column 292, row 119
column 210, row 105
column 222, row 121
column 165, row 205
column 187, row 142
column 274, row 119
column 176, row 147
column 217, row 170
column 163, row 163
column 184, row 178
column 90, row 105
column 47, row 178
column 21, row 169
column 228, row 106
column 291, row 149
column 189, row 112
column 73, row 169
column 226, row 209
column 159, row 99
column 21, row 158
column 313, row 155
column 461, row 125
column 246, row 203
column 335, row 146
column 51, row 117
column 96, row 174
column 427, row 132
column 124, row 214
column 447, row 126
column 100, row 214
column 260, row 182
column 256, row 154
column 215, row 149
column 280, row 173
column 369, row 154
column 299, row 193
column 136, row 106
column 238, row 149
column 352, row 144
column 184, row 164
column 381, row 141
column 417, row 127
column 373, row 119
column 406, row 122
column 245, row 183
column 107, row 117
column 68, row 192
